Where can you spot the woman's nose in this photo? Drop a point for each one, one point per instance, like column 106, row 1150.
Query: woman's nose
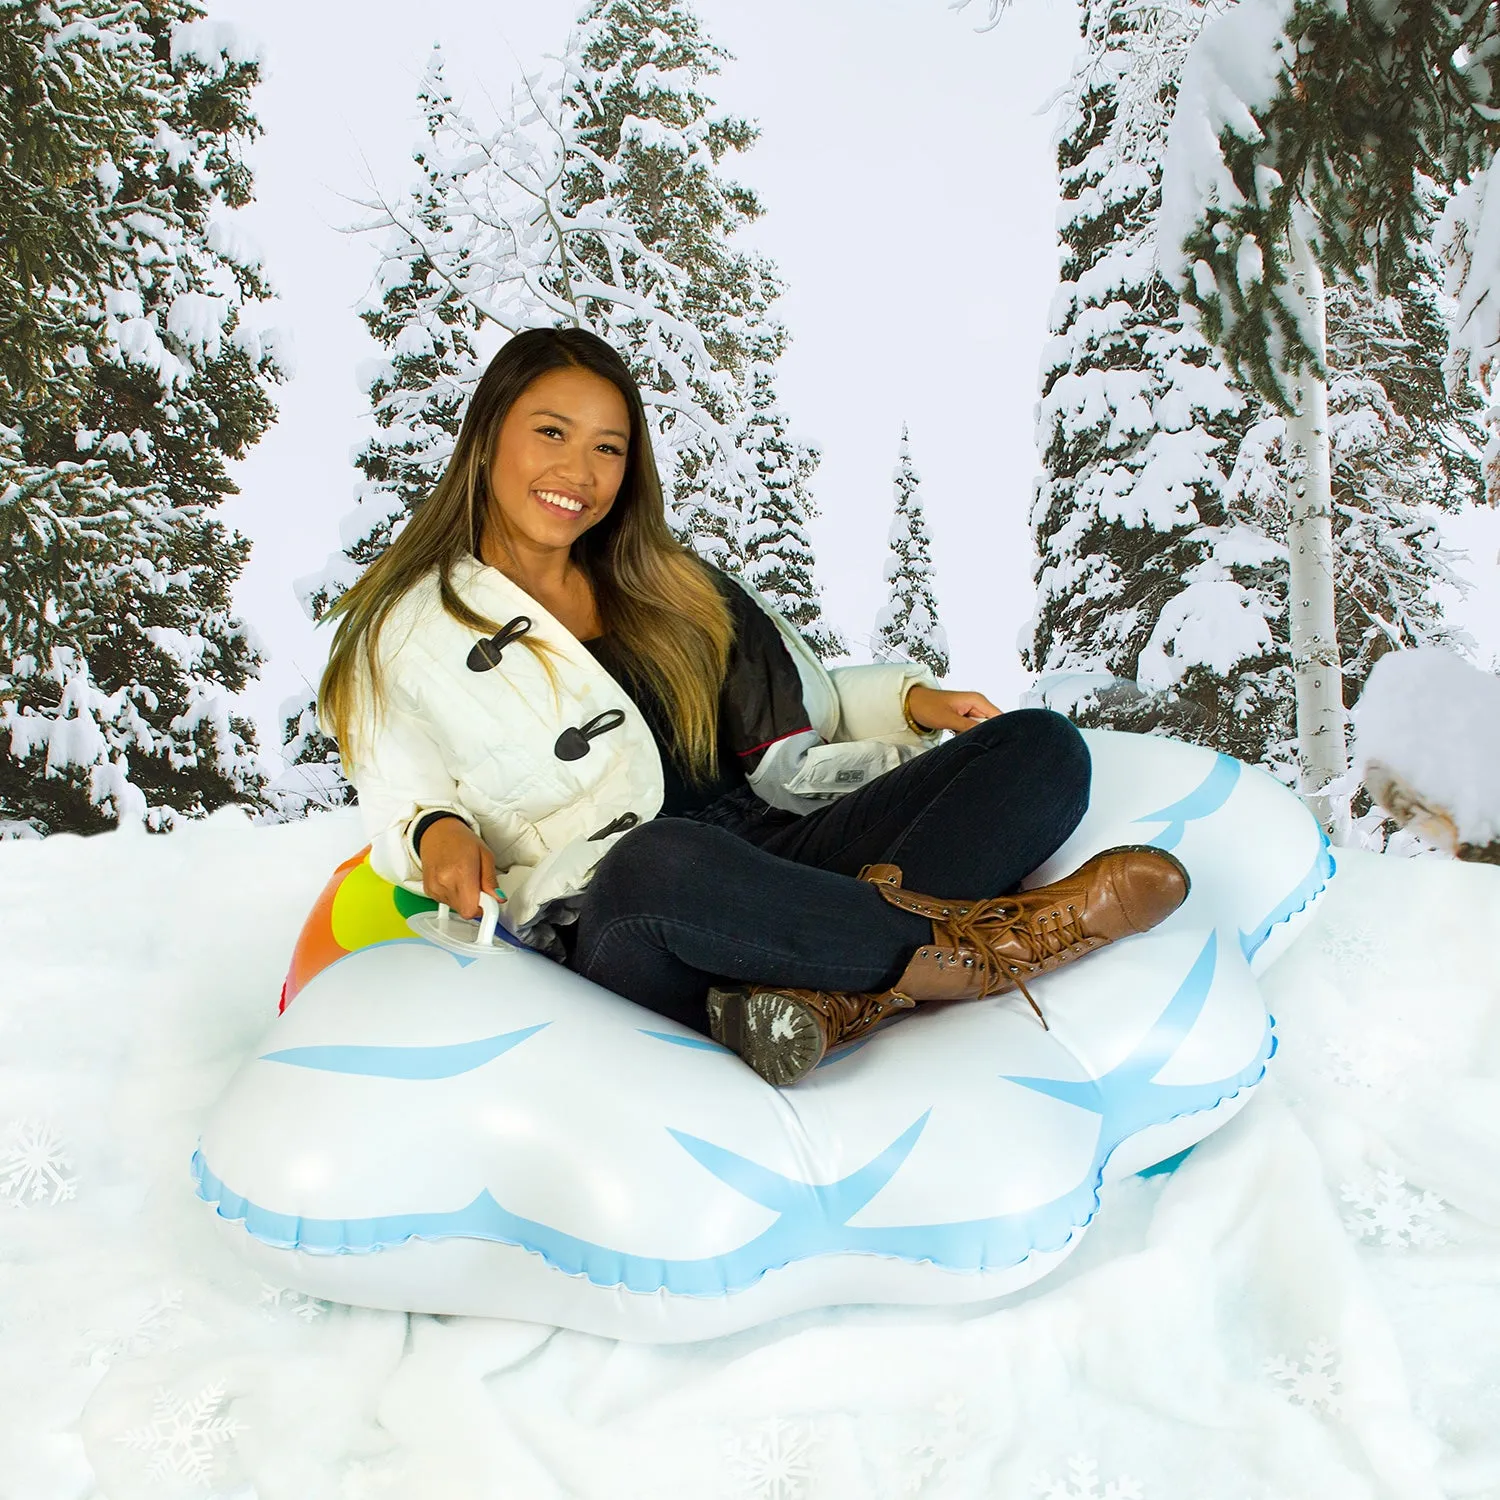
column 587, row 467
column 576, row 462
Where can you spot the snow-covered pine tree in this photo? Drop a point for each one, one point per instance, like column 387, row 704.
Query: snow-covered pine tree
column 1401, row 443
column 1401, row 448
column 653, row 141
column 777, row 551
column 1352, row 111
column 76, row 82
column 649, row 142
column 118, row 650
column 1404, row 447
column 598, row 201
column 1304, row 140
column 1155, row 566
column 906, row 626
column 433, row 308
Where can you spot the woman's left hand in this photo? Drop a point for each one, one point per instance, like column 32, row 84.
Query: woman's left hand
column 937, row 708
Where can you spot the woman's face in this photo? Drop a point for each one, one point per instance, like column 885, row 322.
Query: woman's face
column 559, row 460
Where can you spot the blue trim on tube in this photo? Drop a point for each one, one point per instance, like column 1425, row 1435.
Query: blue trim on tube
column 699, row 1043
column 811, row 1218
column 404, row 1062
column 1205, row 799
column 1324, row 868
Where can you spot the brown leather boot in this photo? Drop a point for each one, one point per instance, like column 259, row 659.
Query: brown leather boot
column 1011, row 939
column 978, row 948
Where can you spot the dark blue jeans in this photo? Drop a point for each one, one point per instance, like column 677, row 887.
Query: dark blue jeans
column 680, row 903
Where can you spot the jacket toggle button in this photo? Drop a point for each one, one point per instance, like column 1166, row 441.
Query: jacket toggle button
column 486, row 653
column 619, row 825
column 573, row 744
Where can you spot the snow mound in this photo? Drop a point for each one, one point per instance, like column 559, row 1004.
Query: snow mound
column 1308, row 1307
column 1428, row 746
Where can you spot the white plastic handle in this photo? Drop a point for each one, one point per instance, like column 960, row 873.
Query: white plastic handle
column 489, row 920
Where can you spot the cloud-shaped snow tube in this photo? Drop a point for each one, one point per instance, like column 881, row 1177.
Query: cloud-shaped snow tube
column 495, row 1135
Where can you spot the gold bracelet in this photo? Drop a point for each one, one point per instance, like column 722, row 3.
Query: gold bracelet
column 911, row 723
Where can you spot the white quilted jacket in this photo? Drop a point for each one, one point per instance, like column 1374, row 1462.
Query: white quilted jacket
column 489, row 745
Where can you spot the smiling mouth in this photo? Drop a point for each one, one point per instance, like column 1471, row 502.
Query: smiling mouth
column 560, row 504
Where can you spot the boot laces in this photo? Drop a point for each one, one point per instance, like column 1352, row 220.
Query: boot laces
column 1039, row 935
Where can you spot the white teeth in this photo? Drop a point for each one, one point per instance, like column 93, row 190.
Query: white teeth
column 561, row 500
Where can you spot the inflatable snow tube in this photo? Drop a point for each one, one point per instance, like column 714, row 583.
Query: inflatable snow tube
column 429, row 1130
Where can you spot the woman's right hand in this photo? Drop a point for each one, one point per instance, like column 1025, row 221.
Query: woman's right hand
column 456, row 866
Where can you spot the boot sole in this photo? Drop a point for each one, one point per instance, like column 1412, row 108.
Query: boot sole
column 775, row 1034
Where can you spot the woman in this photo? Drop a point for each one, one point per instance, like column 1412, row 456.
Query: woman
column 682, row 804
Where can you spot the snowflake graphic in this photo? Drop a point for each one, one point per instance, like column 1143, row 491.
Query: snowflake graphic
column 1394, row 1213
column 1082, row 1483
column 1374, row 1069
column 1315, row 1382
column 772, row 1461
column 1353, row 945
column 372, row 1479
column 309, row 1309
column 182, row 1435
column 105, row 1348
column 1342, row 1067
column 18, row 1308
column 939, row 1447
column 34, row 1162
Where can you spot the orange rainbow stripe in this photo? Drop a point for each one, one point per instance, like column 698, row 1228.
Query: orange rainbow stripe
column 354, row 910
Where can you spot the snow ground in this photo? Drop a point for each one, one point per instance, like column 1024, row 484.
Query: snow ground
column 1309, row 1306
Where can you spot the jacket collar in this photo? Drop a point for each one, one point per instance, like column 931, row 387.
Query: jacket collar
column 500, row 598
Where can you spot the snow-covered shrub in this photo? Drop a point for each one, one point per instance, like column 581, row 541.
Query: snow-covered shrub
column 1428, row 749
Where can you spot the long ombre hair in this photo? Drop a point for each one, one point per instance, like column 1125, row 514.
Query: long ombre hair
column 656, row 600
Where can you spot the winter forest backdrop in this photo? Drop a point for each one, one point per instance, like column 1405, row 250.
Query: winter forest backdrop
column 259, row 248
